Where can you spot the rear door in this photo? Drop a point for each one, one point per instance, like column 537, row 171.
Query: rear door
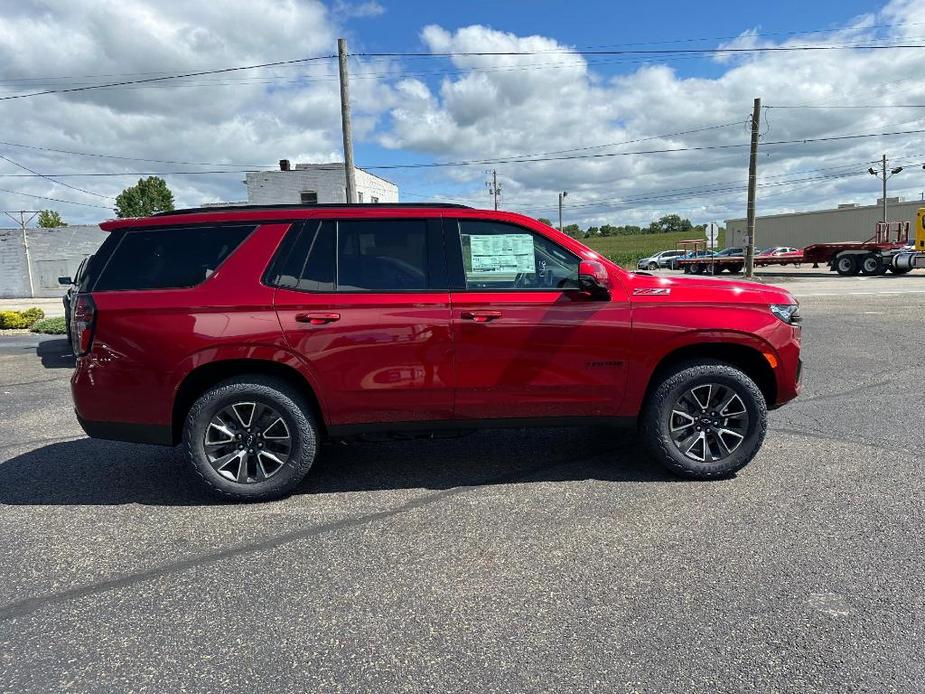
column 365, row 303
column 529, row 343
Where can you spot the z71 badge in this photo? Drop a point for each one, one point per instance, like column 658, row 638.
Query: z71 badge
column 651, row 291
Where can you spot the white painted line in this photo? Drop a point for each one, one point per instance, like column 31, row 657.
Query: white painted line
column 910, row 291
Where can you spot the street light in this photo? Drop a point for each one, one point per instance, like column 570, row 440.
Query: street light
column 884, row 175
column 562, row 195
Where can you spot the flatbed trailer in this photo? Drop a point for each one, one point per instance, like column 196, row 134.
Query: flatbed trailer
column 886, row 251
column 711, row 265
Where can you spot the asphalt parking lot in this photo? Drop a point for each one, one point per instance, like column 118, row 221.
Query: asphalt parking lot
column 551, row 560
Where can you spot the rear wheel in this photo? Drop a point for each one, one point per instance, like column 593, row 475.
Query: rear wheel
column 735, row 269
column 251, row 438
column 846, row 265
column 704, row 420
column 871, row 264
column 696, row 269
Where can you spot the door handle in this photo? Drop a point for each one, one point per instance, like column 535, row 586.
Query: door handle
column 480, row 316
column 317, row 318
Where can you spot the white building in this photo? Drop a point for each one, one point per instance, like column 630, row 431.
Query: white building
column 311, row 184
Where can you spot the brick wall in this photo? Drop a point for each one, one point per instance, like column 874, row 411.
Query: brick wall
column 54, row 252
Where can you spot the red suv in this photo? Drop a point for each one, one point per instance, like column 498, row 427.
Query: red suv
column 249, row 334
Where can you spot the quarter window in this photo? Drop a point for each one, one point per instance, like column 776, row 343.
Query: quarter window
column 503, row 256
column 169, row 258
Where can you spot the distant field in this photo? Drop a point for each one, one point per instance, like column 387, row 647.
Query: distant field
column 626, row 250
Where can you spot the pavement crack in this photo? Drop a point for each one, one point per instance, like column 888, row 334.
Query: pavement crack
column 29, row 605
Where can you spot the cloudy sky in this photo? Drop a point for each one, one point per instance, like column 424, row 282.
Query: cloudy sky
column 595, row 121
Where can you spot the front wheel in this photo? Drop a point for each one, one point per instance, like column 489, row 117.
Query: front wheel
column 251, row 438
column 704, row 420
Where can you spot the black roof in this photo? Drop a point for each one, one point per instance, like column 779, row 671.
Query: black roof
column 327, row 206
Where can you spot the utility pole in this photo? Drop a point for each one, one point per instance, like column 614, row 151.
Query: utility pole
column 493, row 188
column 884, row 175
column 345, row 121
column 752, row 183
column 883, row 163
column 22, row 221
column 562, row 195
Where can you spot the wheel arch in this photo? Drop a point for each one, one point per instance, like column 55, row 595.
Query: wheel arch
column 746, row 358
column 203, row 377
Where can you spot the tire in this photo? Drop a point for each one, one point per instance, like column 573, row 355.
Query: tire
column 271, row 398
column 653, row 266
column 696, row 269
column 846, row 265
column 665, row 400
column 735, row 269
column 871, row 264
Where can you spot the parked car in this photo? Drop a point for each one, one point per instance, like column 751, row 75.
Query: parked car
column 783, row 252
column 657, row 260
column 731, row 251
column 249, row 335
column 779, row 250
column 68, row 299
column 673, row 262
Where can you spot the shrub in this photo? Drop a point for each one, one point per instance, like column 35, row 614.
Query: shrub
column 20, row 319
column 50, row 326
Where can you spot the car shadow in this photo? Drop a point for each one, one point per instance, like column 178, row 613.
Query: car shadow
column 55, row 353
column 94, row 472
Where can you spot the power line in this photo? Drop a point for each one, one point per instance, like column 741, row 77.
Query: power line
column 839, row 106
column 477, row 162
column 165, row 77
column 663, row 51
column 43, row 197
column 60, row 183
column 114, row 156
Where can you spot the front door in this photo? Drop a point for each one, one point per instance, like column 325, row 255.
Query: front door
column 361, row 301
column 529, row 343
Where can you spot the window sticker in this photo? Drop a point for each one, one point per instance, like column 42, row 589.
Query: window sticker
column 502, row 253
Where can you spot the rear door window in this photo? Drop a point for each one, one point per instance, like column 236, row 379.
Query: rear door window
column 362, row 255
column 382, row 255
column 169, row 258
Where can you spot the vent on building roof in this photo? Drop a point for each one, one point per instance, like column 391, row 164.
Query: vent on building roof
column 847, row 205
column 284, row 165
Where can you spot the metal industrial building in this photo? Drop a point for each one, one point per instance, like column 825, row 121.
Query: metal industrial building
column 799, row 229
column 32, row 262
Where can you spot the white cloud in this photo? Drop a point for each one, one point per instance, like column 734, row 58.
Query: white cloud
column 371, row 8
column 484, row 107
column 499, row 106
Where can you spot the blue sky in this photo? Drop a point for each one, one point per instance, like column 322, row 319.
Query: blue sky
column 437, row 109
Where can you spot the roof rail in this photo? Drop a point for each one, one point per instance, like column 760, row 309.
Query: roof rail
column 327, row 206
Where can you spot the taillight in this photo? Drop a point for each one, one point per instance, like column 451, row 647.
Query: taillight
column 83, row 321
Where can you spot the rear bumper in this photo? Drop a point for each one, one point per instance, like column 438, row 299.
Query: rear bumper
column 126, row 431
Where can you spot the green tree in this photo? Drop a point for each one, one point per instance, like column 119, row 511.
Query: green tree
column 572, row 230
column 608, row 230
column 671, row 223
column 49, row 219
column 543, row 220
column 146, row 197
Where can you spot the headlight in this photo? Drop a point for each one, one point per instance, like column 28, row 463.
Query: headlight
column 789, row 313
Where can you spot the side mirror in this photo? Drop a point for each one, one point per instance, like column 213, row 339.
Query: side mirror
column 594, row 280
column 65, row 280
